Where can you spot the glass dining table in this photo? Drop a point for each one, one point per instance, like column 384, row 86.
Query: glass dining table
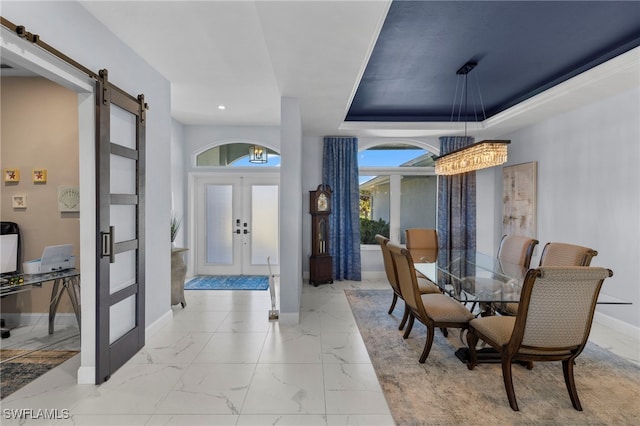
column 471, row 276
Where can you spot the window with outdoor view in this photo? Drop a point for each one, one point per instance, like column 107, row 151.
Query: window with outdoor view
column 235, row 155
column 400, row 195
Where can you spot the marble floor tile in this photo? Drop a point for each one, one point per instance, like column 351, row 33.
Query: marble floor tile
column 353, row 389
column 281, row 420
column 360, row 420
column 338, row 322
column 192, row 420
column 198, row 321
column 286, row 389
column 232, row 348
column 294, row 348
column 208, row 389
column 172, row 348
column 60, row 418
column 344, row 348
column 245, row 322
column 133, row 389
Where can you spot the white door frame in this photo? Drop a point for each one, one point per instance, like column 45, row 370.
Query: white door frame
column 194, row 179
column 44, row 64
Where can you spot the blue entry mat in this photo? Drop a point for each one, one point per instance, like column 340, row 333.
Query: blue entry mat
column 228, row 282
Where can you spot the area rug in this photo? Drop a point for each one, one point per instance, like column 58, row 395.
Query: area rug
column 443, row 391
column 20, row 367
column 228, row 282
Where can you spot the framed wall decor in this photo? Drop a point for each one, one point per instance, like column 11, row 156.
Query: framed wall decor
column 39, row 175
column 11, row 175
column 519, row 200
column 68, row 198
column 19, row 201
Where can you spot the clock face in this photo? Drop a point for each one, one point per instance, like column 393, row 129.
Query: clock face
column 323, row 203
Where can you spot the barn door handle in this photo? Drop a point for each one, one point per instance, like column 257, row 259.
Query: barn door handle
column 107, row 244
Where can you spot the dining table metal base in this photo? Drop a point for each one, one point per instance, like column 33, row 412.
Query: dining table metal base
column 486, row 356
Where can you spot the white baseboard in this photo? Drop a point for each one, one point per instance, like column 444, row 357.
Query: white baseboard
column 158, row 324
column 625, row 328
column 373, row 275
column 289, row 318
column 87, row 376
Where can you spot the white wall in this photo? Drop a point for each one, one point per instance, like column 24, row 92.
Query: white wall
column 179, row 179
column 69, row 28
column 588, row 190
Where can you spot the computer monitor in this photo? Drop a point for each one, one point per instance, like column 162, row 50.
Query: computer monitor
column 9, row 254
column 9, row 248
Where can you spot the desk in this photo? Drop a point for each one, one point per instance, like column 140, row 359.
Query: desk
column 68, row 280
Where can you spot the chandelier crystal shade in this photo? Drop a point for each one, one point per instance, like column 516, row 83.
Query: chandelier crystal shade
column 257, row 154
column 478, row 156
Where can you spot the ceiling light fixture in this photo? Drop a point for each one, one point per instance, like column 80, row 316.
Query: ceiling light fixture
column 257, row 154
column 222, row 107
column 480, row 155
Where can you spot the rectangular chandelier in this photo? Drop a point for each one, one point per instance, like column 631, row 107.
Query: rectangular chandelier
column 477, row 156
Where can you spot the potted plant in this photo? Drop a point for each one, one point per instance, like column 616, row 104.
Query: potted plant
column 178, row 267
column 176, row 222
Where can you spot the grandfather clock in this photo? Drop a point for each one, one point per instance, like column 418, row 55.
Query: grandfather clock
column 320, row 262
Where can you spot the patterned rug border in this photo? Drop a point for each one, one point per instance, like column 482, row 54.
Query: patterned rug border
column 443, row 391
column 18, row 372
column 228, row 282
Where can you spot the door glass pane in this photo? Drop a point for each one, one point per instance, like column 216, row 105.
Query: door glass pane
column 123, row 218
column 219, row 223
column 123, row 175
column 122, row 273
column 417, row 203
column 122, row 127
column 264, row 228
column 122, row 318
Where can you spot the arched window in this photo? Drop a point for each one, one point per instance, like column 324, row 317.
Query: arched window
column 235, row 155
column 398, row 190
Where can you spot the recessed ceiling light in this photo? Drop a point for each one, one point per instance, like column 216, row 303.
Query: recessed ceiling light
column 222, row 107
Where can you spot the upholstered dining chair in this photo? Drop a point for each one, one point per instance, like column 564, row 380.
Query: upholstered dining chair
column 433, row 309
column 563, row 254
column 514, row 250
column 421, row 242
column 424, row 286
column 556, row 254
column 553, row 321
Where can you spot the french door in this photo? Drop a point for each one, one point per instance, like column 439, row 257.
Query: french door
column 237, row 225
column 120, row 280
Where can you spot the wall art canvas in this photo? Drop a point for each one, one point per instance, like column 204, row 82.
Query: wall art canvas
column 68, row 198
column 519, row 199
